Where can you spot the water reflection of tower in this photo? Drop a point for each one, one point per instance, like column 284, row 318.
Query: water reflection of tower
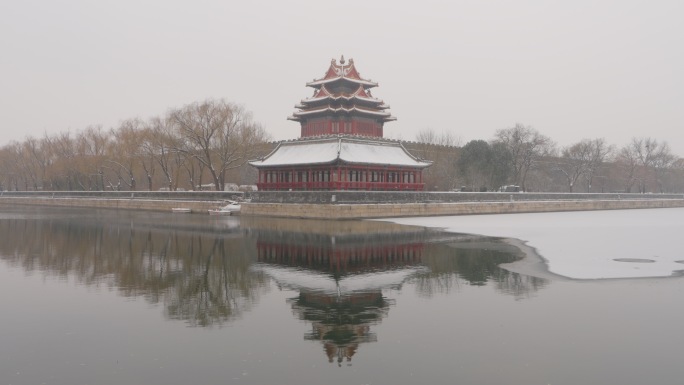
column 341, row 323
column 340, row 271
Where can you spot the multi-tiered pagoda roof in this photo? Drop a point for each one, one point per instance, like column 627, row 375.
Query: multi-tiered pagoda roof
column 342, row 103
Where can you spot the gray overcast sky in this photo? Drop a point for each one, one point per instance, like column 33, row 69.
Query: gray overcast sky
column 571, row 69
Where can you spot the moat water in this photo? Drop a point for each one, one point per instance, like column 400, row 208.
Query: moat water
column 107, row 297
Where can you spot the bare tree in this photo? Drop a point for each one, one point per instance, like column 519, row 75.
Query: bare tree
column 582, row 159
column 39, row 157
column 628, row 161
column 5, row 169
column 15, row 168
column 66, row 160
column 601, row 153
column 148, row 156
column 29, row 172
column 645, row 159
column 218, row 134
column 91, row 145
column 527, row 147
column 663, row 162
column 124, row 152
column 163, row 146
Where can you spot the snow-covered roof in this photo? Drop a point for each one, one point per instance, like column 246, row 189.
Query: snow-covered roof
column 321, row 82
column 346, row 149
column 346, row 97
column 343, row 110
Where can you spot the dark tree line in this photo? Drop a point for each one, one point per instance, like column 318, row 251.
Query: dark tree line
column 522, row 156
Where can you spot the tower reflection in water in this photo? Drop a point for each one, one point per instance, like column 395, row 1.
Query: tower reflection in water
column 341, row 269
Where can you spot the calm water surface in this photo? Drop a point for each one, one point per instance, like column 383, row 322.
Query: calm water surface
column 105, row 297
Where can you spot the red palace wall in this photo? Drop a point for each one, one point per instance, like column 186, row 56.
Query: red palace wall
column 358, row 126
column 341, row 178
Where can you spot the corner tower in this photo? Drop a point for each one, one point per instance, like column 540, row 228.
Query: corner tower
column 341, row 146
column 342, row 104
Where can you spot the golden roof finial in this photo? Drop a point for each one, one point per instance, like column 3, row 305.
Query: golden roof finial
column 342, row 60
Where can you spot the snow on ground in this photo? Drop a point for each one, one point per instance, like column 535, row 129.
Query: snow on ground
column 586, row 244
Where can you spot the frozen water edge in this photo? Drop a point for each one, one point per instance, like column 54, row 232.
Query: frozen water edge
column 585, row 244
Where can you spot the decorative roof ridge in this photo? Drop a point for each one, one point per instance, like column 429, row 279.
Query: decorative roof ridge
column 316, row 98
column 341, row 70
column 360, row 91
column 351, row 71
column 262, row 158
column 315, row 138
column 351, row 109
column 369, row 139
column 332, row 137
column 430, row 144
column 322, row 92
column 317, row 82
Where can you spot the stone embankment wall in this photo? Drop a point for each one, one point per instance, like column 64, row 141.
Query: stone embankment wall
column 384, row 210
column 197, row 201
column 379, row 204
column 355, row 197
column 350, row 204
column 106, row 203
column 165, row 195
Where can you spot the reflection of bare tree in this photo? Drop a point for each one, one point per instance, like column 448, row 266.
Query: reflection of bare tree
column 518, row 285
column 218, row 288
column 476, row 261
column 201, row 278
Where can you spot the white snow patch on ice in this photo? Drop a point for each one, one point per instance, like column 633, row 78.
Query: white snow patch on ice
column 585, row 245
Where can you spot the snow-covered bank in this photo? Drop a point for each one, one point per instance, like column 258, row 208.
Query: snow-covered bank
column 588, row 244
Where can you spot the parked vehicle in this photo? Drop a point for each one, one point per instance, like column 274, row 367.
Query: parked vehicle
column 510, row 188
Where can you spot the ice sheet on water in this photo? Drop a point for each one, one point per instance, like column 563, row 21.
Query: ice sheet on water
column 587, row 244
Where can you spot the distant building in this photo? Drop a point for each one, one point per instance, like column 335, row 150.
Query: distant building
column 341, row 146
